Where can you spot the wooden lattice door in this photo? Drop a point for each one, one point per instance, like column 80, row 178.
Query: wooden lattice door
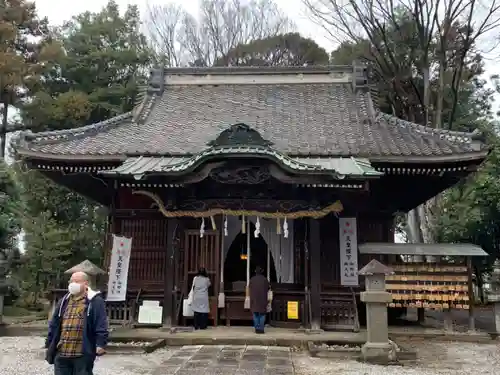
column 203, row 252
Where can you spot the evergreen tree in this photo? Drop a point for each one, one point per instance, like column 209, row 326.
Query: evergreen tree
column 98, row 77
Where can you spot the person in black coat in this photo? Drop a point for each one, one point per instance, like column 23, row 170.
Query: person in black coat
column 259, row 287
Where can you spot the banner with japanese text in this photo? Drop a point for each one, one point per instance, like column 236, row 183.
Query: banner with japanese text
column 348, row 251
column 118, row 269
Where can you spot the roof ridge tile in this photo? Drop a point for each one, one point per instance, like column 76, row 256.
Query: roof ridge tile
column 73, row 133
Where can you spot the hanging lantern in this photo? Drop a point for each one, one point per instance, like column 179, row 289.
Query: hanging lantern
column 243, row 254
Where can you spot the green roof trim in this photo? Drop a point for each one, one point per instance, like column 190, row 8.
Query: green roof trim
column 177, row 165
column 435, row 249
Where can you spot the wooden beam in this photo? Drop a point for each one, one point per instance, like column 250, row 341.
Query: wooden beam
column 87, row 185
column 315, row 256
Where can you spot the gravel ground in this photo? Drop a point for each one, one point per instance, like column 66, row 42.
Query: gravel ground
column 22, row 355
column 433, row 359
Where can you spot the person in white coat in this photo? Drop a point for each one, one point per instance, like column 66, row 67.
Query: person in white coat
column 200, row 304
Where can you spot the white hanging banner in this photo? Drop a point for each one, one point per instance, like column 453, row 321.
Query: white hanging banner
column 348, row 251
column 118, row 269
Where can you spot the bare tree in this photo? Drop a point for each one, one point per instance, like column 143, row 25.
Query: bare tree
column 181, row 39
column 420, row 50
column 163, row 23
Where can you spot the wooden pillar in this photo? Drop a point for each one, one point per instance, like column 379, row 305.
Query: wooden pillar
column 306, row 263
column 315, row 256
column 168, row 295
column 420, row 315
column 472, row 299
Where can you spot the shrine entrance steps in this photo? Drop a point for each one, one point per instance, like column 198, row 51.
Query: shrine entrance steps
column 339, row 309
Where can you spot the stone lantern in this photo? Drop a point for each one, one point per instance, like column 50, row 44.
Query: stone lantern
column 377, row 348
column 494, row 294
column 3, row 282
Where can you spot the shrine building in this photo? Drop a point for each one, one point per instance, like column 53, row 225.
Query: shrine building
column 294, row 169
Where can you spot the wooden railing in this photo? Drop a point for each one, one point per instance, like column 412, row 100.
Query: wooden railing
column 339, row 309
column 279, row 314
column 121, row 313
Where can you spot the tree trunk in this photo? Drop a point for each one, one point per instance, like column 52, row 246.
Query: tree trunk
column 1, row 308
column 480, row 284
column 426, row 220
column 413, row 225
column 3, row 130
column 438, row 112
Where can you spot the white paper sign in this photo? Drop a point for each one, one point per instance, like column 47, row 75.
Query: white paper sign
column 118, row 269
column 348, row 251
column 150, row 313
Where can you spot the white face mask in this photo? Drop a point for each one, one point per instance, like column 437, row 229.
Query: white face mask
column 74, row 288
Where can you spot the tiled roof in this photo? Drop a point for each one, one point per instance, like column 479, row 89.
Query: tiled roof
column 301, row 118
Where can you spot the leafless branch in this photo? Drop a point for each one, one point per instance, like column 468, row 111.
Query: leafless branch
column 221, row 25
column 436, row 39
column 163, row 23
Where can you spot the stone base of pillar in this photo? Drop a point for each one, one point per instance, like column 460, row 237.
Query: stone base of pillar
column 378, row 353
column 496, row 315
column 314, row 331
column 178, row 329
column 1, row 308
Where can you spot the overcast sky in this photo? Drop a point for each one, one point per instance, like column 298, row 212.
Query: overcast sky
column 61, row 10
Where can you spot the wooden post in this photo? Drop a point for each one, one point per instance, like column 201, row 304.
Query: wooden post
column 113, row 227
column 421, row 315
column 307, row 321
column 472, row 323
column 315, row 256
column 448, row 320
column 168, row 301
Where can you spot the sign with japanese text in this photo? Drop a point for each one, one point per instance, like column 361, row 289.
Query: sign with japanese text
column 348, row 251
column 293, row 310
column 118, row 269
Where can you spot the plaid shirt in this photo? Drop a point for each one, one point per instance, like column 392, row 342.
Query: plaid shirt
column 71, row 343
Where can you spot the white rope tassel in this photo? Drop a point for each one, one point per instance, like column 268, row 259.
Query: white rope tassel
column 225, row 227
column 243, row 226
column 247, row 294
column 202, row 228
column 285, row 228
column 257, row 228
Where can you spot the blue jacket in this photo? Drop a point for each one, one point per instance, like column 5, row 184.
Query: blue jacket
column 95, row 328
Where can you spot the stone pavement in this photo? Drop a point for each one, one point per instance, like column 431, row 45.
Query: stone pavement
column 228, row 360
